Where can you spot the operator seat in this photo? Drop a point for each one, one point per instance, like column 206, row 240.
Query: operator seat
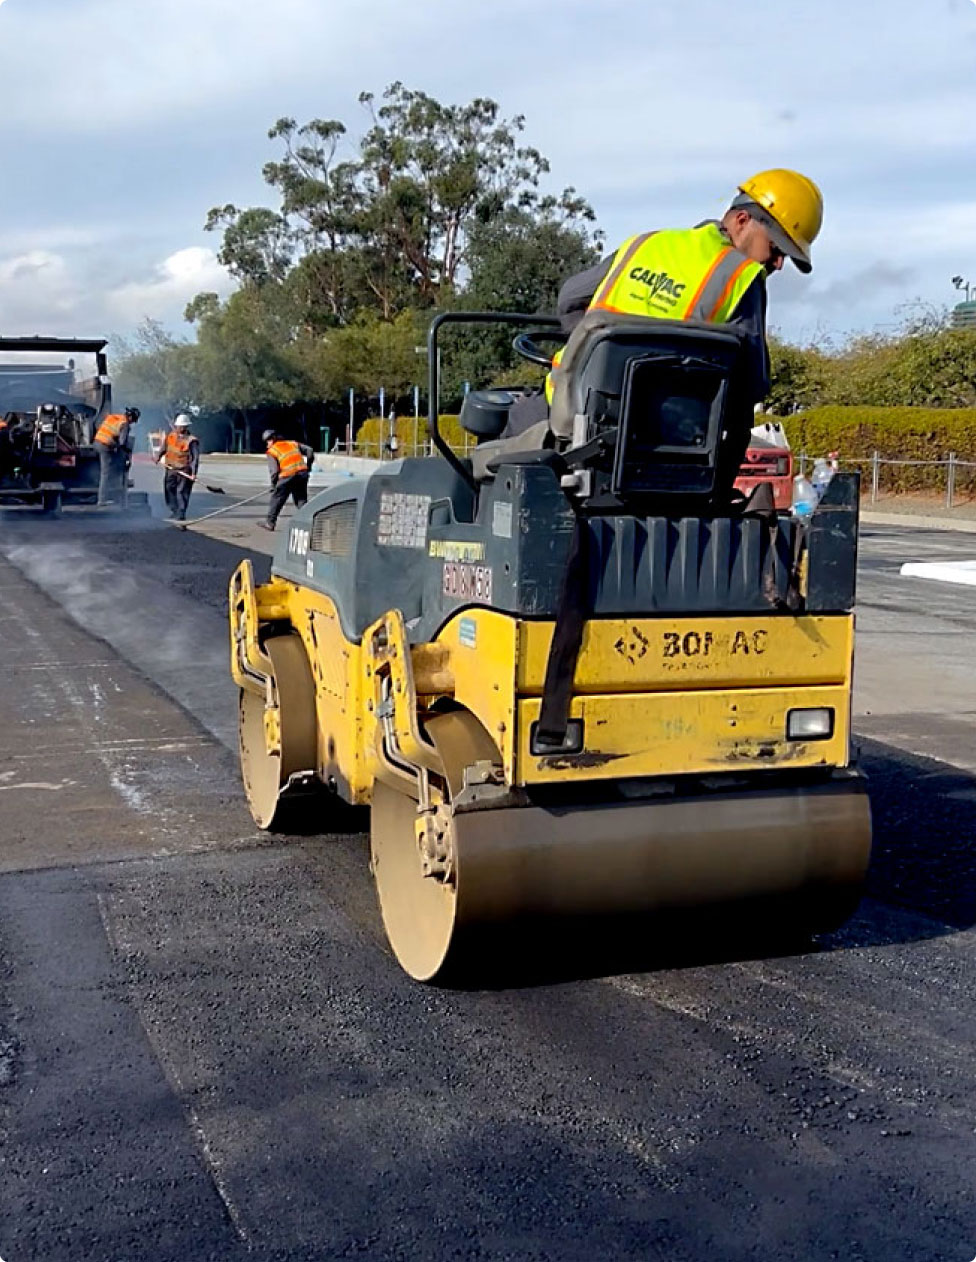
column 656, row 407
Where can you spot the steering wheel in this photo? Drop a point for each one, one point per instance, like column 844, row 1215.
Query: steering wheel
column 526, row 345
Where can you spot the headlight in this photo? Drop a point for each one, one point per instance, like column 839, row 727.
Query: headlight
column 782, row 466
column 810, row 725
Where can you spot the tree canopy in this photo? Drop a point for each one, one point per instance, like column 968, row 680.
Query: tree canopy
column 440, row 206
column 435, row 206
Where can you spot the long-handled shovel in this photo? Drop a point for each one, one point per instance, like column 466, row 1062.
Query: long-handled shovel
column 182, row 525
column 216, row 490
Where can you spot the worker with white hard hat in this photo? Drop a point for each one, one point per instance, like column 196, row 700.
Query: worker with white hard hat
column 180, row 454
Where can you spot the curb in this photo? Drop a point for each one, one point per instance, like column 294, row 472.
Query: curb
column 966, row 525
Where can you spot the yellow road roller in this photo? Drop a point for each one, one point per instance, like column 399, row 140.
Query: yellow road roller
column 576, row 677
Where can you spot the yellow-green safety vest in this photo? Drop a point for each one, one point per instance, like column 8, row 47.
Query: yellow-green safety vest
column 677, row 274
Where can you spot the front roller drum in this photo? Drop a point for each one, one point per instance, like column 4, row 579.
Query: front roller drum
column 533, row 870
column 278, row 734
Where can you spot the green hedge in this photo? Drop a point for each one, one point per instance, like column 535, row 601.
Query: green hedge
column 900, row 433
column 374, row 433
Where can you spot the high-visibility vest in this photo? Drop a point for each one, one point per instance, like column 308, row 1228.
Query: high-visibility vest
column 110, row 428
column 289, row 457
column 678, row 274
column 177, row 451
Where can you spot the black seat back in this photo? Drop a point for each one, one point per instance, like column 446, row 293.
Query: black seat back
column 665, row 413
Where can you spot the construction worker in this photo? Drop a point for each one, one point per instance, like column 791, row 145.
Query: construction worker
column 180, row 454
column 289, row 464
column 113, row 442
column 715, row 272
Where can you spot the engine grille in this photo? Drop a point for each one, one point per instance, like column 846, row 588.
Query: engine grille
column 334, row 529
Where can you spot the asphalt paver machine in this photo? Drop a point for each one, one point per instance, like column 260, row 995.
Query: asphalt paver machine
column 575, row 682
column 53, row 393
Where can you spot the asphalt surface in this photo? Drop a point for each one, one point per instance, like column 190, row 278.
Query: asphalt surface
column 207, row 1051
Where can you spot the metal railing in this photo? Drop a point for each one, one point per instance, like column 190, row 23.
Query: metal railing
column 874, row 463
column 419, row 446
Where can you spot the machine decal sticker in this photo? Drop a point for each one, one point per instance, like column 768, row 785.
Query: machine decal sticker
column 298, row 539
column 632, row 646
column 702, row 644
column 456, row 550
column 691, row 644
column 467, row 582
column 468, row 633
column 501, row 520
column 403, row 520
column 746, row 642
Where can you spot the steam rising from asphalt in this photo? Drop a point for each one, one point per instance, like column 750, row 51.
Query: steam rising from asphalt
column 179, row 643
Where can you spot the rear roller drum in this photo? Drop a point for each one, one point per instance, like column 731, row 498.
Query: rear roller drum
column 278, row 737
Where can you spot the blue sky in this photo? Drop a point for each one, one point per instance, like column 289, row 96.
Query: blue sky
column 124, row 121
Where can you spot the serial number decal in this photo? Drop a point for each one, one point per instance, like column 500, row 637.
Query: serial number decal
column 467, row 582
column 456, row 550
column 702, row 643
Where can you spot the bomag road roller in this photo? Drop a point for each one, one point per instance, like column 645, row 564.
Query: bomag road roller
column 575, row 681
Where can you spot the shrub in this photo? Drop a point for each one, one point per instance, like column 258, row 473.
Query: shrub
column 374, row 433
column 896, row 433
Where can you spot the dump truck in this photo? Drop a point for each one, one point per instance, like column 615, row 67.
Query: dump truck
column 53, row 393
column 577, row 682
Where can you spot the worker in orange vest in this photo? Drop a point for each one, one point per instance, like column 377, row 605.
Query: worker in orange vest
column 180, row 454
column 113, row 442
column 289, row 464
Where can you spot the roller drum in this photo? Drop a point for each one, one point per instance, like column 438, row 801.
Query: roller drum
column 800, row 852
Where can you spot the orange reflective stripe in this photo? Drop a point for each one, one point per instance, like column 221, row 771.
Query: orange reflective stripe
column 608, row 286
column 289, row 457
column 724, row 297
column 708, row 276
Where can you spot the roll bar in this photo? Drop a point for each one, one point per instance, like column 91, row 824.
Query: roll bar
column 433, row 383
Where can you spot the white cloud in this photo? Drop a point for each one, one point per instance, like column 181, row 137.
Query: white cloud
column 36, row 291
column 45, row 292
column 174, row 282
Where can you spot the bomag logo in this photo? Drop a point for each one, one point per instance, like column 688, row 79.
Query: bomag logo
column 660, row 284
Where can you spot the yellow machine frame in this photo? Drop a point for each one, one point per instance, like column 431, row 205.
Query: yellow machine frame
column 659, row 697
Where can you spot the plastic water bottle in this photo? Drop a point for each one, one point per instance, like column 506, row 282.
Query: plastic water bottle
column 822, row 473
column 804, row 499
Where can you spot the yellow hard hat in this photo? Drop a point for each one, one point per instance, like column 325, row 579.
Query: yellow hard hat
column 793, row 204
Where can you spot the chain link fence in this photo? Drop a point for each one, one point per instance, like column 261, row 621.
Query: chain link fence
column 951, row 477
